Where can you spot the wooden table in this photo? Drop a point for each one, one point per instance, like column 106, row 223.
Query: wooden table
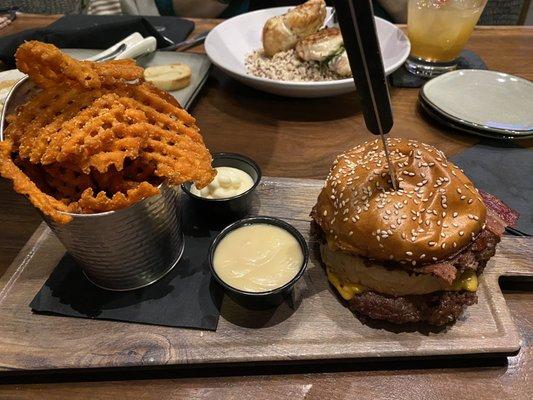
column 299, row 138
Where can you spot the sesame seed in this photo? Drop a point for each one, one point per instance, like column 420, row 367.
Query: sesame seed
column 432, row 243
column 443, row 245
column 409, row 253
column 325, row 213
column 461, row 233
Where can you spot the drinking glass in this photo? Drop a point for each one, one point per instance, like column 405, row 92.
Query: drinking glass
column 438, row 31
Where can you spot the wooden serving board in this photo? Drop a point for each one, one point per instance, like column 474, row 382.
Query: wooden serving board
column 316, row 327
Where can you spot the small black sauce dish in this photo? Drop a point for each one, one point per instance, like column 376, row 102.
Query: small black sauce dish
column 271, row 298
column 231, row 208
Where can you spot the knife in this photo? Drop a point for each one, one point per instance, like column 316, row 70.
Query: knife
column 358, row 28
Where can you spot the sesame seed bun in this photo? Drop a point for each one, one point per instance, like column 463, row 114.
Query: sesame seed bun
column 436, row 212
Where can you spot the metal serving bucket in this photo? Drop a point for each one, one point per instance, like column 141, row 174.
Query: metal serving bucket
column 129, row 248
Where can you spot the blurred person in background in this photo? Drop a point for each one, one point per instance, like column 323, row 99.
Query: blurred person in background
column 497, row 12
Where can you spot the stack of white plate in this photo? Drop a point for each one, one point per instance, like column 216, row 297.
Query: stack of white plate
column 484, row 103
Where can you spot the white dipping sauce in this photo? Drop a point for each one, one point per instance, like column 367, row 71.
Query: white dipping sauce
column 258, row 258
column 229, row 182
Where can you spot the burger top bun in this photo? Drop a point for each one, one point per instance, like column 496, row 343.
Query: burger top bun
column 434, row 214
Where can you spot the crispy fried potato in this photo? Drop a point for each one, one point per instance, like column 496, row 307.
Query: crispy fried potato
column 48, row 66
column 92, row 141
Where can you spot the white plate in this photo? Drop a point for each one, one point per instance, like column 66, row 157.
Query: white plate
column 484, row 100
column 441, row 118
column 228, row 44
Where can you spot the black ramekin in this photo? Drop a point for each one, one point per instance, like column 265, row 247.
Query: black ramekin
column 233, row 207
column 271, row 298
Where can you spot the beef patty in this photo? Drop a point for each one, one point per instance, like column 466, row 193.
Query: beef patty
column 439, row 308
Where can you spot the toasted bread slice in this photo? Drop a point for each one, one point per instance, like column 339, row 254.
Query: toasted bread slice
column 169, row 77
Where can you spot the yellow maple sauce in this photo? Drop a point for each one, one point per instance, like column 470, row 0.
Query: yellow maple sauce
column 258, row 258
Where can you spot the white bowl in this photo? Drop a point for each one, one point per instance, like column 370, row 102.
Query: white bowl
column 228, row 44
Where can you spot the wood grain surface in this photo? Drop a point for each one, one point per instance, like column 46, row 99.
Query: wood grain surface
column 298, row 138
column 313, row 326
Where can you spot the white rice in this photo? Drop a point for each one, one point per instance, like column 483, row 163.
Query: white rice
column 286, row 66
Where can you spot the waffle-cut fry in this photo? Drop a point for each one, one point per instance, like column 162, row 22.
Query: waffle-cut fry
column 138, row 170
column 48, row 67
column 115, row 128
column 41, row 132
column 115, row 71
column 92, row 142
column 113, row 181
column 51, row 106
column 67, row 180
column 24, row 185
column 89, row 203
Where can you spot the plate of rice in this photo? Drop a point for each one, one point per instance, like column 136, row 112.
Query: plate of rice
column 235, row 46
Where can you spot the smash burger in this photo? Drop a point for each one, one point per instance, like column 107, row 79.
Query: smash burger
column 412, row 254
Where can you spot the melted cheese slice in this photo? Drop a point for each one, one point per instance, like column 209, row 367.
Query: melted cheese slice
column 350, row 275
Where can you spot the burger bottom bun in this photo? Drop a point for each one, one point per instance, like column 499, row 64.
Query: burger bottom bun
column 438, row 308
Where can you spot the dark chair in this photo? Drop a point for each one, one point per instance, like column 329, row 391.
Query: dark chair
column 504, row 12
column 45, row 6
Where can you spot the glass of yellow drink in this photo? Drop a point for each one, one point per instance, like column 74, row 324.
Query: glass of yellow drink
column 438, row 31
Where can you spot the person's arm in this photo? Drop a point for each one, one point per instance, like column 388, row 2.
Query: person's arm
column 199, row 8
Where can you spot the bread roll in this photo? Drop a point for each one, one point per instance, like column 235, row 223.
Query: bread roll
column 435, row 214
column 169, row 77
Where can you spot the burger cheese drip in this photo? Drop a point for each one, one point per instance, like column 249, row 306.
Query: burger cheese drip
column 433, row 215
column 352, row 275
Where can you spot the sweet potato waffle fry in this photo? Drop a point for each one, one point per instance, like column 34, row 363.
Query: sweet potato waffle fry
column 92, row 140
column 48, row 66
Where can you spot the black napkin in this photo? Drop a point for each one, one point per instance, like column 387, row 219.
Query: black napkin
column 467, row 60
column 97, row 32
column 505, row 170
column 186, row 297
